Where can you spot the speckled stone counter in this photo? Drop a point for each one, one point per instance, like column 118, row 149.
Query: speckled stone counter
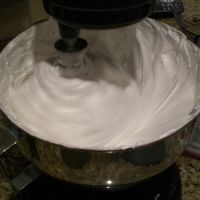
column 6, row 190
column 14, row 162
column 190, row 175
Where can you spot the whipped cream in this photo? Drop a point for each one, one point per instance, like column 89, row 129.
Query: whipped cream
column 131, row 86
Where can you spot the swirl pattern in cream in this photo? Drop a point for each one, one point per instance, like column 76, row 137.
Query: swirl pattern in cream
column 131, row 86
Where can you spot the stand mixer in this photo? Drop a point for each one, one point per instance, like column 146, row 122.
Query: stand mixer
column 75, row 15
column 148, row 168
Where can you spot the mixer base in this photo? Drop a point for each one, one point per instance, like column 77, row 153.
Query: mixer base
column 165, row 186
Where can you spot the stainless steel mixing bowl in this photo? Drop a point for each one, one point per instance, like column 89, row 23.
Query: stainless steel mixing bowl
column 101, row 169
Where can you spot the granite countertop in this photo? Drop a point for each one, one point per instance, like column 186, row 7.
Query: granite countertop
column 189, row 167
column 190, row 175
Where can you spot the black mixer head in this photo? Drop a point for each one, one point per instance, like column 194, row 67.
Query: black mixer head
column 94, row 14
column 98, row 14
